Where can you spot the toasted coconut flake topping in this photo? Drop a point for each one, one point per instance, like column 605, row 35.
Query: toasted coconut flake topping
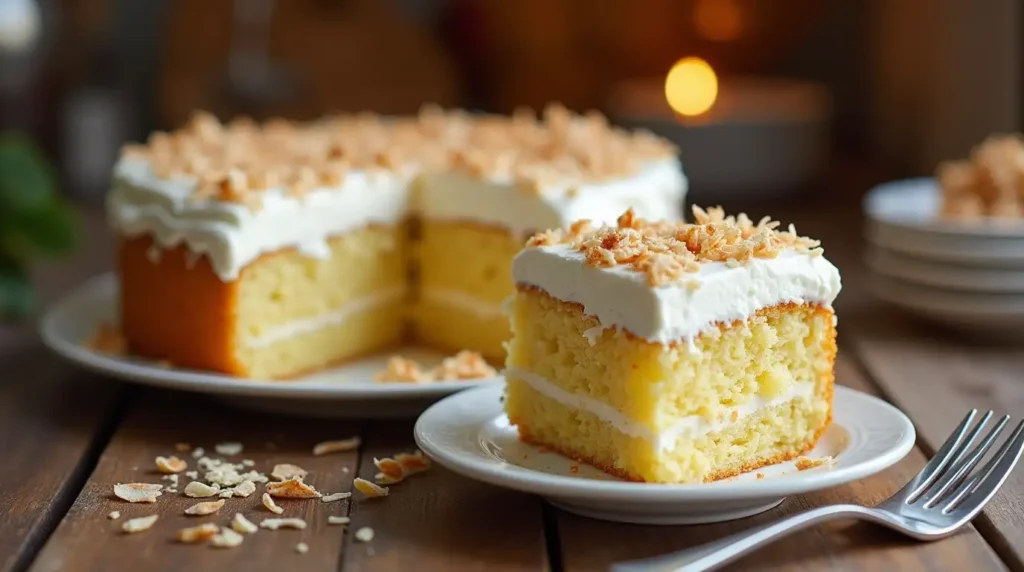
column 198, row 490
column 335, row 497
column 339, row 446
column 237, row 161
column 205, row 508
column 199, row 533
column 668, row 252
column 285, row 471
column 390, row 467
column 170, row 464
column 243, row 525
column 137, row 492
column 338, row 520
column 989, row 183
column 369, row 489
column 131, row 526
column 227, row 538
column 293, row 488
column 276, row 523
column 268, row 502
column 463, row 365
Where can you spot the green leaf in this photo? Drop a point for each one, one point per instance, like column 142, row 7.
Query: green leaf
column 50, row 229
column 16, row 297
column 27, row 182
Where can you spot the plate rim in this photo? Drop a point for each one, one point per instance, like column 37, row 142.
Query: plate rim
column 935, row 226
column 559, row 486
column 104, row 286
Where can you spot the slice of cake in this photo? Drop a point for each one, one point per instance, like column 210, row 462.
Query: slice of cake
column 262, row 251
column 511, row 177
column 673, row 352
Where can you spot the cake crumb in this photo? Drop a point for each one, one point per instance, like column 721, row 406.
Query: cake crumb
column 364, row 534
column 804, row 463
column 139, row 524
column 760, row 476
column 339, row 446
column 107, row 339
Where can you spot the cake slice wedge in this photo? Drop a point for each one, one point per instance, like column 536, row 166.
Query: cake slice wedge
column 673, row 352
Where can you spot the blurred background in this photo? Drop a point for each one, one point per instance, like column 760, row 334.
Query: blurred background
column 905, row 82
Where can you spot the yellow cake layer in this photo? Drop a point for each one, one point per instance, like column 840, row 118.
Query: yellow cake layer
column 655, row 385
column 467, row 268
column 769, row 436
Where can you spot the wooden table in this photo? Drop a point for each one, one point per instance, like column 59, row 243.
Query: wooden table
column 68, row 436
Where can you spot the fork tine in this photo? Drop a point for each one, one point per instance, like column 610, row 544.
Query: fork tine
column 978, row 490
column 953, row 478
column 934, row 468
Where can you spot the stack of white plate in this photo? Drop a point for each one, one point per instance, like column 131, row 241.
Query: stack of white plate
column 965, row 274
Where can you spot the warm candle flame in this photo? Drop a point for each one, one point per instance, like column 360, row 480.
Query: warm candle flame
column 691, row 86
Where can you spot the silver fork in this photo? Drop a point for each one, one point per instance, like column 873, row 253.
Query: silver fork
column 937, row 502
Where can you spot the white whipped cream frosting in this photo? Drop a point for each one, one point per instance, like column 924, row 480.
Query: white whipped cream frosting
column 686, row 428
column 233, row 235
column 656, row 192
column 621, row 297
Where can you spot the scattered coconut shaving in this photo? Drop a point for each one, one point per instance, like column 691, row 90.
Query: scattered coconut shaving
column 335, row 497
column 369, row 489
column 364, row 534
column 462, row 366
column 243, row 525
column 293, row 488
column 302, row 548
column 271, row 505
column 142, row 523
column 339, row 446
column 198, row 490
column 205, row 508
column 170, row 465
column 227, row 538
column 338, row 520
column 195, row 534
column 285, row 471
column 228, row 449
column 278, row 523
column 137, row 492
column 114, row 515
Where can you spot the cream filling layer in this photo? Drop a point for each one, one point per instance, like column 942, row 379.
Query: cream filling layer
column 462, row 301
column 328, row 319
column 690, row 427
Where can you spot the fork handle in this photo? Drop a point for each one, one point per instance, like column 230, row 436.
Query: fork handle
column 714, row 554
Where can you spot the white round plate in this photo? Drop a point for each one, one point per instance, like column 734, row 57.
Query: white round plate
column 347, row 390
column 470, row 434
column 991, row 316
column 945, row 275
column 903, row 216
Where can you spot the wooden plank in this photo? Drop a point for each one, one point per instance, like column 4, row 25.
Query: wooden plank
column 936, row 379
column 593, row 545
column 441, row 521
column 51, row 422
column 87, row 540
